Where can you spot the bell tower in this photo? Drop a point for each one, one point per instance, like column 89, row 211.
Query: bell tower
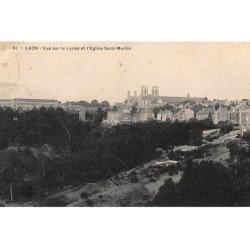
column 155, row 91
column 144, row 90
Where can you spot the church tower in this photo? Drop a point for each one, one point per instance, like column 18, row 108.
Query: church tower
column 155, row 91
column 144, row 91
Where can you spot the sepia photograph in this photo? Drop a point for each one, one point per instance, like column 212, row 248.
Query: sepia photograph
column 124, row 124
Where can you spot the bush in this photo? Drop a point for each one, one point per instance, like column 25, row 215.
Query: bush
column 133, row 177
column 167, row 195
column 206, row 184
column 226, row 128
column 59, row 201
column 84, row 195
column 89, row 203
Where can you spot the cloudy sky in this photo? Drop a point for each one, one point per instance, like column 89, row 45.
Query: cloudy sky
column 214, row 70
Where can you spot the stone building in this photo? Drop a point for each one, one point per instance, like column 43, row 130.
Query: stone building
column 146, row 114
column 244, row 120
column 153, row 99
column 184, row 115
column 220, row 115
column 28, row 104
column 204, row 113
column 7, row 103
column 113, row 117
column 164, row 115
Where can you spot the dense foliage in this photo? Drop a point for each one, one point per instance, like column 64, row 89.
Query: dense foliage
column 81, row 151
column 210, row 183
column 202, row 184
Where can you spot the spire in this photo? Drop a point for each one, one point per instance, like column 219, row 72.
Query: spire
column 188, row 95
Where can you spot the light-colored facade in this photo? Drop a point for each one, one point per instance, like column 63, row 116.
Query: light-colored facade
column 204, row 114
column 119, row 117
column 113, row 117
column 146, row 115
column 28, row 104
column 82, row 115
column 235, row 112
column 73, row 107
column 7, row 103
column 220, row 115
column 244, row 120
column 234, row 117
column 164, row 115
column 184, row 115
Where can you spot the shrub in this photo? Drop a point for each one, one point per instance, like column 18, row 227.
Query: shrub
column 84, row 195
column 89, row 203
column 59, row 201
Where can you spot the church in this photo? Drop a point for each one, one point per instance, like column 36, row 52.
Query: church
column 146, row 100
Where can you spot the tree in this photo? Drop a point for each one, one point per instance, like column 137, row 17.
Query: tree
column 207, row 184
column 236, row 151
column 217, row 106
column 192, row 120
column 94, row 103
column 100, row 115
column 156, row 110
column 105, row 105
column 246, row 137
column 133, row 110
column 225, row 128
column 197, row 107
column 167, row 195
column 195, row 136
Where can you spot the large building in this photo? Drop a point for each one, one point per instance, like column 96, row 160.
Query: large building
column 115, row 117
column 220, row 115
column 204, row 113
column 244, row 120
column 164, row 115
column 28, row 104
column 184, row 115
column 146, row 114
column 7, row 103
column 153, row 99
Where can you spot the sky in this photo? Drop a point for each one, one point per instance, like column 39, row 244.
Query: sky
column 213, row 70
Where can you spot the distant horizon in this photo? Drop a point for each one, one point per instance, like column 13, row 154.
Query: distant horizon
column 34, row 98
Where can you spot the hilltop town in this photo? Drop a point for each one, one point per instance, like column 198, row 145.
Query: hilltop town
column 152, row 106
column 147, row 106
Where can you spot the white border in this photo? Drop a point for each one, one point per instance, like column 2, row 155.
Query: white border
column 124, row 228
column 133, row 228
column 130, row 20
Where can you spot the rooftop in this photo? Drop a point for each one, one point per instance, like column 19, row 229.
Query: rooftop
column 34, row 100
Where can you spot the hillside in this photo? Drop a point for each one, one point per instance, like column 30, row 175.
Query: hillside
column 131, row 188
